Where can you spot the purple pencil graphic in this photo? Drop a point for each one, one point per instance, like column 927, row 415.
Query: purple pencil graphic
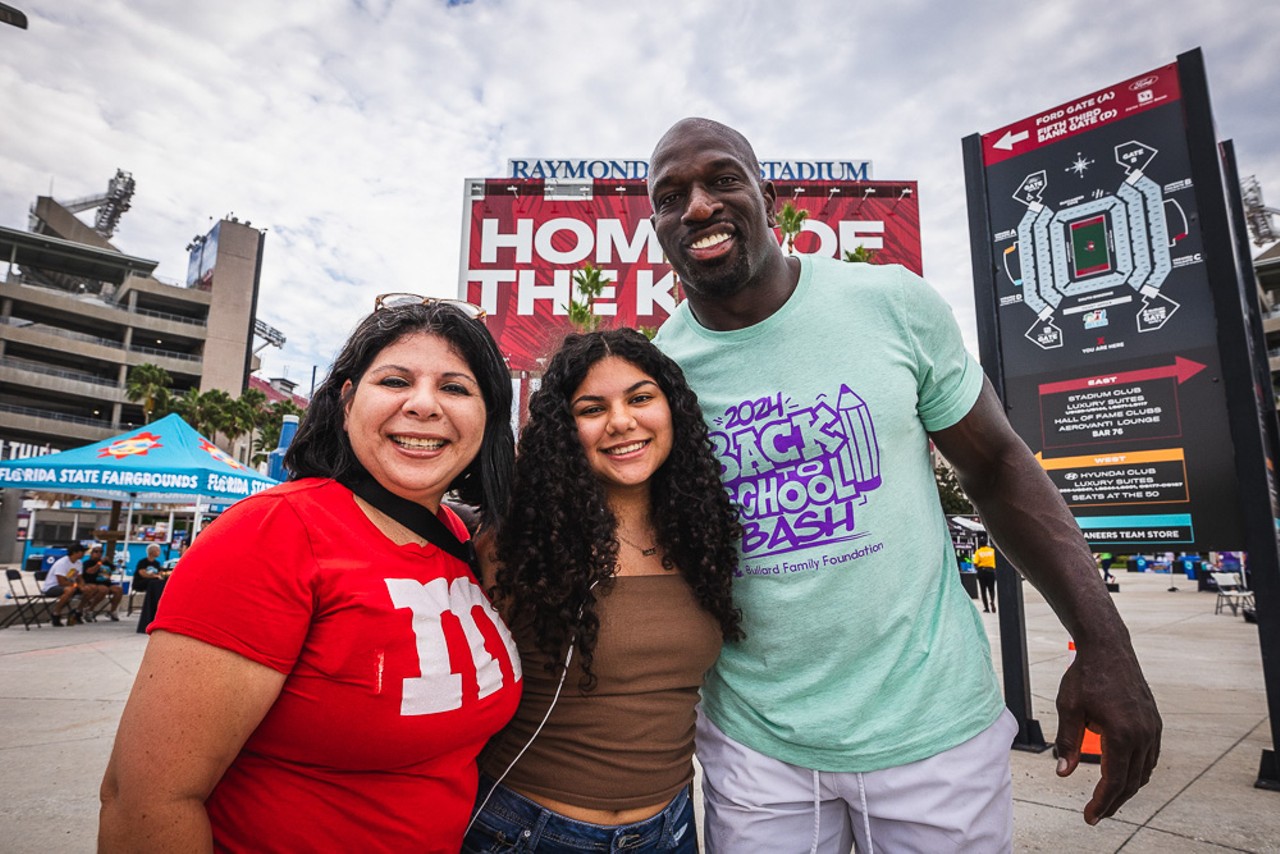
column 860, row 457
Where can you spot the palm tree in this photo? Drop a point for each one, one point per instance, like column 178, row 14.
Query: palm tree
column 251, row 408
column 202, row 410
column 187, row 405
column 790, row 222
column 590, row 283
column 150, row 384
column 219, row 415
column 859, row 255
column 269, row 437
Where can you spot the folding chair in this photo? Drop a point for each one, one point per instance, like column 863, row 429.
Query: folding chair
column 28, row 606
column 73, row 605
column 134, row 590
column 100, row 608
column 1231, row 593
column 90, row 613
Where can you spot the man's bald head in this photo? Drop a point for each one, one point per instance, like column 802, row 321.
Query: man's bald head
column 708, row 132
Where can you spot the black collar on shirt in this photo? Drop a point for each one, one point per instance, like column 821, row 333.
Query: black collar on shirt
column 413, row 516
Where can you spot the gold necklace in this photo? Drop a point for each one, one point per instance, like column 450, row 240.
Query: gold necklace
column 649, row 552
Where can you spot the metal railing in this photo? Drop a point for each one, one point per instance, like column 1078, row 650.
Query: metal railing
column 64, row 333
column 168, row 354
column 57, row 416
column 104, row 342
column 37, row 367
column 62, row 292
column 123, row 309
column 164, row 315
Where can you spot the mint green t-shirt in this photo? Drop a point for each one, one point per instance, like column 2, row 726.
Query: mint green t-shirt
column 863, row 650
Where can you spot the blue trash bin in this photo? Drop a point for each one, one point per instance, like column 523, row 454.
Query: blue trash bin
column 51, row 556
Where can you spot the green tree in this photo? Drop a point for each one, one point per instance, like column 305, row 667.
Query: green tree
column 859, row 255
column 150, row 384
column 590, row 283
column 790, row 222
column 953, row 499
column 202, row 410
column 251, row 410
column 269, row 437
column 238, row 417
column 187, row 405
column 219, row 415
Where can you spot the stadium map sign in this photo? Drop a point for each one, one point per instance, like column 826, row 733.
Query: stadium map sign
column 1118, row 317
column 1105, row 319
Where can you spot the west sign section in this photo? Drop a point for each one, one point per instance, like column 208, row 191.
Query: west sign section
column 1105, row 318
column 524, row 239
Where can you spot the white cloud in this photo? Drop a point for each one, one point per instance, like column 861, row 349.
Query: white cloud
column 347, row 128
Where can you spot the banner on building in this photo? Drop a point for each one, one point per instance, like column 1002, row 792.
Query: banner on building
column 523, row 240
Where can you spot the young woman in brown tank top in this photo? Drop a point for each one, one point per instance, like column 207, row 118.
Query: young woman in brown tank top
column 613, row 568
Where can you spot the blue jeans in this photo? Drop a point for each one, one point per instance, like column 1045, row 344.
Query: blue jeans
column 512, row 823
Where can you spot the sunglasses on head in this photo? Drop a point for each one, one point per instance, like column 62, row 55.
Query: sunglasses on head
column 471, row 310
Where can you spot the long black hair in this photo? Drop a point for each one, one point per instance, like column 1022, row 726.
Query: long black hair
column 560, row 540
column 321, row 447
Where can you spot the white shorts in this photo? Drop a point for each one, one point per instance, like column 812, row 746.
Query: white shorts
column 959, row 800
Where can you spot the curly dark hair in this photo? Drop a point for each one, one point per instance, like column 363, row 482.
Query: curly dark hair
column 321, row 447
column 559, row 540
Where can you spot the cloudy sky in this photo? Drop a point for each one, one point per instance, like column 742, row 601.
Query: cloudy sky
column 346, row 127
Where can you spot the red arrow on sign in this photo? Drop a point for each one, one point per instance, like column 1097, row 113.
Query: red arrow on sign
column 1181, row 370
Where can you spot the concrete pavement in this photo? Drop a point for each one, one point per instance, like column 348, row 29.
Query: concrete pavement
column 62, row 692
column 1205, row 670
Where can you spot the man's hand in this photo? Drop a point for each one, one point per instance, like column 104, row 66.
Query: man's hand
column 1107, row 694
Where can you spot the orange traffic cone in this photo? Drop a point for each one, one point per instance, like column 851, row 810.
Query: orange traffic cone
column 1091, row 746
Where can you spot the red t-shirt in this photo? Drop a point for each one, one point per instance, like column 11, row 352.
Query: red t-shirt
column 399, row 669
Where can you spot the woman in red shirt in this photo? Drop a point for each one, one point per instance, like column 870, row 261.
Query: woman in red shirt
column 324, row 666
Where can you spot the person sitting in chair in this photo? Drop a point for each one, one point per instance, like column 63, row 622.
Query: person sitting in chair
column 150, row 576
column 148, row 569
column 63, row 581
column 96, row 575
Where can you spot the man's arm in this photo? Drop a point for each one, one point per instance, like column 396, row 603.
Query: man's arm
column 1025, row 514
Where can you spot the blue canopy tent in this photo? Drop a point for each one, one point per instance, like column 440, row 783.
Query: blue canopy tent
column 164, row 462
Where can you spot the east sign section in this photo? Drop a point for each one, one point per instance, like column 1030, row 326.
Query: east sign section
column 524, row 239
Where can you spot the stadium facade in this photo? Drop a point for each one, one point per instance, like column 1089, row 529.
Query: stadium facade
column 76, row 314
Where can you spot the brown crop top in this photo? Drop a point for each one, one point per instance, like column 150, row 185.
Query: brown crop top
column 628, row 743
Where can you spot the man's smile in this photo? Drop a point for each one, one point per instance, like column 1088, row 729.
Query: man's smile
column 709, row 241
column 711, row 246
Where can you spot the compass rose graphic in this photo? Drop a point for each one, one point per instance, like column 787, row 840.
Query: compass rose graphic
column 1080, row 166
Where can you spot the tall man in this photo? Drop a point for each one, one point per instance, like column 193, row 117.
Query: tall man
column 863, row 704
